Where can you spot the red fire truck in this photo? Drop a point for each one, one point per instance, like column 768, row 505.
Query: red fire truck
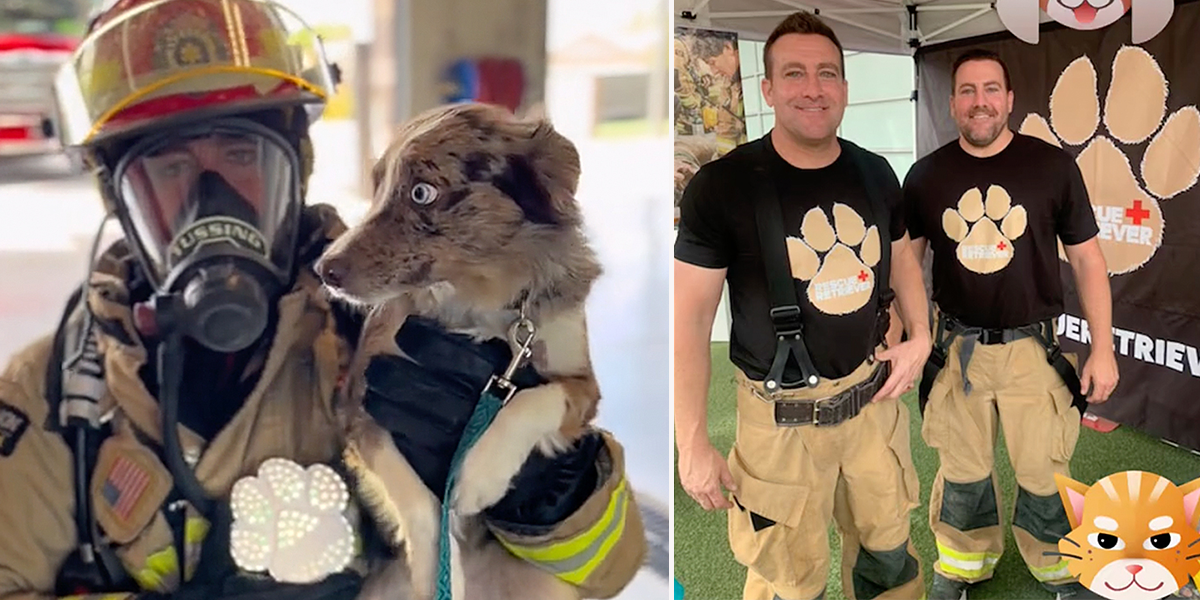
column 36, row 37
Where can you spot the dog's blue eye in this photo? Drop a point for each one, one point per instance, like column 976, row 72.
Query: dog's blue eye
column 424, row 193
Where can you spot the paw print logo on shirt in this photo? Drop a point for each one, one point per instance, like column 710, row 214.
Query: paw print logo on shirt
column 1127, row 210
column 982, row 246
column 836, row 260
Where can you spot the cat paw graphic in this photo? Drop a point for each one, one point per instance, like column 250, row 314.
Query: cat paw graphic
column 1127, row 210
column 289, row 521
column 839, row 276
column 982, row 246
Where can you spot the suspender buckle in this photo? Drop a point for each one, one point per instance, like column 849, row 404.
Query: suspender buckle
column 787, row 320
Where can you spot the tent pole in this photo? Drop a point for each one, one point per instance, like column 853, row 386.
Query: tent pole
column 949, row 26
column 750, row 14
column 911, row 32
column 698, row 15
column 857, row 11
column 949, row 7
column 833, row 17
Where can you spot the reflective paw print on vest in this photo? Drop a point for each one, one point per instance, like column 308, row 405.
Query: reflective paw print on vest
column 840, row 279
column 1130, row 219
column 983, row 247
column 290, row 522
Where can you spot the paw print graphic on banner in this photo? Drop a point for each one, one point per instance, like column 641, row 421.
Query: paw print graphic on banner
column 982, row 246
column 1127, row 210
column 840, row 279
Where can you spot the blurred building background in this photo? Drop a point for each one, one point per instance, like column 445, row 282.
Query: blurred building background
column 599, row 71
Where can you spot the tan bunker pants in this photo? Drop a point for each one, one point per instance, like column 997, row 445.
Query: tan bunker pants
column 1014, row 383
column 792, row 479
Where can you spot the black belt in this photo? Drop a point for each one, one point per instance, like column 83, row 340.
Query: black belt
column 826, row 412
column 993, row 337
column 987, row 337
column 948, row 328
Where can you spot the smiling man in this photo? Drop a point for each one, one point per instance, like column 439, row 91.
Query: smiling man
column 992, row 206
column 820, row 431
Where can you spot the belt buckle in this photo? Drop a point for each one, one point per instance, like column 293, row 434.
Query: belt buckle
column 991, row 337
column 831, row 403
column 788, row 414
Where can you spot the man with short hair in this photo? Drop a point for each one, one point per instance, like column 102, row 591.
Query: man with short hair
column 993, row 205
column 720, row 55
column 820, row 431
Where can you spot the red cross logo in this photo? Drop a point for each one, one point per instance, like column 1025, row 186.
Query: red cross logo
column 862, row 276
column 1137, row 213
column 1001, row 246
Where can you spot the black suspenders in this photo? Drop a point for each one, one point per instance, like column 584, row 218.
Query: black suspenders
column 781, row 287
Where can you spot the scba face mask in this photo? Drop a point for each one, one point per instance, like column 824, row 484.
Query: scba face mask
column 213, row 211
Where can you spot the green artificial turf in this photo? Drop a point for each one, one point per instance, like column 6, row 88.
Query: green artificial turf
column 706, row 568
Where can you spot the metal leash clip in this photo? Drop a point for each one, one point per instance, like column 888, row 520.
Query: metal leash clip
column 524, row 345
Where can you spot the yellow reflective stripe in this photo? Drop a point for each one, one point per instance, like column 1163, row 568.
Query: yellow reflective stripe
column 161, row 568
column 968, row 565
column 195, row 530
column 578, row 576
column 568, row 548
column 1052, row 573
column 161, row 571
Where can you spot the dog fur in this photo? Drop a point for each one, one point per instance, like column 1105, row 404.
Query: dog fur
column 504, row 230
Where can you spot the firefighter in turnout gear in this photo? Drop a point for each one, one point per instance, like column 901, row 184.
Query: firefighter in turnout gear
column 175, row 437
column 992, row 206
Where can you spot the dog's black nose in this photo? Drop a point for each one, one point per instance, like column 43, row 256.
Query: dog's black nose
column 332, row 271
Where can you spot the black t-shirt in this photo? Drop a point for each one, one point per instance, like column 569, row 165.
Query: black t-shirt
column 993, row 225
column 833, row 246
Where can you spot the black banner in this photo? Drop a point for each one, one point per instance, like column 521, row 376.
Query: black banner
column 1138, row 145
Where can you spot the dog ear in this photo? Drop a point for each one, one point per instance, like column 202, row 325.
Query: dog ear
column 542, row 175
column 535, row 112
column 520, row 181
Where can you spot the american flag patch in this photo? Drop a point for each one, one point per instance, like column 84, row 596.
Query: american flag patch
column 124, row 486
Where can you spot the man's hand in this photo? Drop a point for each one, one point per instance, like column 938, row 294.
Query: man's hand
column 907, row 360
column 702, row 471
column 1099, row 376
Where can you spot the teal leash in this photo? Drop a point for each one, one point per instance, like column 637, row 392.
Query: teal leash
column 485, row 411
column 489, row 405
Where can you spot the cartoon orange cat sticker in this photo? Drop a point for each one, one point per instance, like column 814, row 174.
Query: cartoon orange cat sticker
column 1133, row 534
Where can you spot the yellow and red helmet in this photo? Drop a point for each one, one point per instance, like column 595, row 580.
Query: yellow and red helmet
column 149, row 63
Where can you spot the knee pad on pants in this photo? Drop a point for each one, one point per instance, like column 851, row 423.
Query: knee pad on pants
column 1042, row 516
column 876, row 572
column 967, row 506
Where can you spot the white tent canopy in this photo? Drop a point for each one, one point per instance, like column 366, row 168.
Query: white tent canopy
column 885, row 26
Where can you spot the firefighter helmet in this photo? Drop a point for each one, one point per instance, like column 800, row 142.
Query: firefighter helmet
column 149, row 63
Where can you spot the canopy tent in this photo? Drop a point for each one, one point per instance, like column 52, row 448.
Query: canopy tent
column 884, row 26
column 1156, row 314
